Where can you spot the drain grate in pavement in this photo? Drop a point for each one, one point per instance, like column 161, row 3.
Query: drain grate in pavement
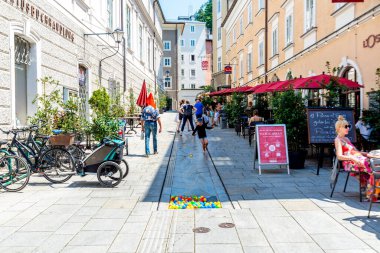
column 226, row 225
column 201, row 230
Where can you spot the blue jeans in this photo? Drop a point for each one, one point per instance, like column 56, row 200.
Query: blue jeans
column 150, row 127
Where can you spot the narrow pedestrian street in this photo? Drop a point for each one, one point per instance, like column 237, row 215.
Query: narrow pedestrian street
column 274, row 212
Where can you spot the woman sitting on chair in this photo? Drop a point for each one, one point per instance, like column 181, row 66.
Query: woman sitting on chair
column 352, row 159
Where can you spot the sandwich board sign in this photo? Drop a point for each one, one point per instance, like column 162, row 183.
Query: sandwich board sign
column 272, row 146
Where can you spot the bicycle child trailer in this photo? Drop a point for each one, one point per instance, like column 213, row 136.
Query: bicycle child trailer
column 105, row 162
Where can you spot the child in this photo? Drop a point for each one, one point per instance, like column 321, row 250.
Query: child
column 201, row 129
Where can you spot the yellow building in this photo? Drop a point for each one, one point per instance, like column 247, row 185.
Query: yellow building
column 270, row 40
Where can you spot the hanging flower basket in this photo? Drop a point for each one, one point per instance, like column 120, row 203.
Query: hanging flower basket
column 62, row 139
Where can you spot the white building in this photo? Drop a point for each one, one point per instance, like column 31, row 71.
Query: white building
column 56, row 38
column 192, row 51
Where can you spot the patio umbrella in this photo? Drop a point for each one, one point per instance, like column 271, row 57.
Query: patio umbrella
column 141, row 100
column 263, row 88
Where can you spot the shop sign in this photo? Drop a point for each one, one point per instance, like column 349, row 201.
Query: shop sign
column 204, row 65
column 371, row 41
column 227, row 70
column 347, row 1
column 31, row 10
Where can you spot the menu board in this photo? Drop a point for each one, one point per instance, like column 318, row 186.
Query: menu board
column 321, row 124
column 272, row 144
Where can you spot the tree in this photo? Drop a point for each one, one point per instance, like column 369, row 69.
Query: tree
column 204, row 14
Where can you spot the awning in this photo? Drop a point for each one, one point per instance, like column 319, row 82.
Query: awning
column 319, row 81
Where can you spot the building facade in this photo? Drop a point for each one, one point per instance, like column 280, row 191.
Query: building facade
column 74, row 42
column 297, row 38
column 192, row 51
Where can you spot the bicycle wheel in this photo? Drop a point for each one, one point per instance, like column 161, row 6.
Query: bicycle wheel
column 109, row 174
column 57, row 165
column 77, row 153
column 14, row 173
column 124, row 167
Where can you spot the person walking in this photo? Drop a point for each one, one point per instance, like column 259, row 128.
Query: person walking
column 180, row 114
column 199, row 108
column 149, row 119
column 201, row 129
column 188, row 111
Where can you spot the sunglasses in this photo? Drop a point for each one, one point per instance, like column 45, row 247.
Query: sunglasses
column 347, row 126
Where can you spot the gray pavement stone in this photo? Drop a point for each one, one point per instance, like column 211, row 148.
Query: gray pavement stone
column 296, row 248
column 181, row 243
column 25, row 239
column 218, row 248
column 125, row 243
column 83, row 249
column 104, row 224
column 93, row 238
column 257, row 249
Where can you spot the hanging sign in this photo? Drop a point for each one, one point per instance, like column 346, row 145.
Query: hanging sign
column 204, row 65
column 272, row 145
column 227, row 70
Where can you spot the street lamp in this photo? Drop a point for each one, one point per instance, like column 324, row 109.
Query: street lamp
column 117, row 35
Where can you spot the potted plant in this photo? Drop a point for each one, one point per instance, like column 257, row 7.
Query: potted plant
column 289, row 109
column 234, row 109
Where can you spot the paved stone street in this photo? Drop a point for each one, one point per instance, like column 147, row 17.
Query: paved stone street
column 274, row 212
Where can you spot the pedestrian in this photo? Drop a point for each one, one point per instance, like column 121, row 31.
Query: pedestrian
column 213, row 104
column 255, row 117
column 180, row 114
column 187, row 111
column 149, row 119
column 365, row 131
column 199, row 106
column 249, row 109
column 201, row 129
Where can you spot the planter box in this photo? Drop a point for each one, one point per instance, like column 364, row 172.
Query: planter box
column 62, row 139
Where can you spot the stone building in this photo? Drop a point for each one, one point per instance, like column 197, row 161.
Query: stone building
column 270, row 40
column 75, row 43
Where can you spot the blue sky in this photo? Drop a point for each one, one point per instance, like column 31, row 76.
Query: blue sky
column 174, row 8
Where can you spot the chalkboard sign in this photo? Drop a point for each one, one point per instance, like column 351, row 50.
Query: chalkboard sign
column 321, row 124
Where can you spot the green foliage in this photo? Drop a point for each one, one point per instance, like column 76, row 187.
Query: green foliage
column 132, row 102
column 204, row 14
column 104, row 126
column 333, row 87
column 100, row 102
column 47, row 105
column 163, row 101
column 372, row 115
column 235, row 108
column 69, row 119
column 289, row 109
column 208, row 88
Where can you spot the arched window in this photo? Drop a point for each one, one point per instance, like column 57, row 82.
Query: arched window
column 351, row 98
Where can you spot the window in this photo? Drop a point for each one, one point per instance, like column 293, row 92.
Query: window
column 110, row 13
column 182, row 43
column 261, row 4
column 241, row 66
column 182, row 72
column 167, row 45
column 250, row 20
column 182, row 57
column 167, row 61
column 193, row 85
column 128, row 26
column 219, row 7
column 275, row 41
column 68, row 94
column 289, row 29
column 192, row 29
column 183, row 86
column 219, row 33
column 338, row 5
column 261, row 53
column 219, row 64
column 192, row 58
column 149, row 62
column 241, row 25
column 140, row 41
column 192, row 43
column 309, row 14
column 168, row 82
column 192, row 73
column 249, row 62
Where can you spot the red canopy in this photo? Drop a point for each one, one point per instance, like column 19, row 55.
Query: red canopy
column 317, row 82
column 262, row 88
column 141, row 100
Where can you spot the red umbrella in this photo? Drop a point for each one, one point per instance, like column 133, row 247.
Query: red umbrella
column 317, row 82
column 141, row 100
column 263, row 88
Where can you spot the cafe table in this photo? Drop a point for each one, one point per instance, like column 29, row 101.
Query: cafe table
column 131, row 122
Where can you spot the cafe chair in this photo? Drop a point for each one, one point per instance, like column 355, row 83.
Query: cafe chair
column 336, row 170
column 252, row 130
column 244, row 125
column 375, row 166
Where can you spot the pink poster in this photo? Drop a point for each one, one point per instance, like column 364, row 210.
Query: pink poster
column 272, row 144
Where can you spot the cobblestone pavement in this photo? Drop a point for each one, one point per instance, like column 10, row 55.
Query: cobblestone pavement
column 274, row 212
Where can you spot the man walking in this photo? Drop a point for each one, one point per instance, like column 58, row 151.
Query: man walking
column 149, row 119
column 199, row 106
column 187, row 111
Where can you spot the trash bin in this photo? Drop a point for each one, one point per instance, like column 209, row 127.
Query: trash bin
column 223, row 120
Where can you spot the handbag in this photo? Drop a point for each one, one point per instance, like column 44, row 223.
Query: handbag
column 176, row 118
column 142, row 135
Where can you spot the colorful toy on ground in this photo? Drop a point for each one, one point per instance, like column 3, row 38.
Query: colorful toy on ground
column 193, row 202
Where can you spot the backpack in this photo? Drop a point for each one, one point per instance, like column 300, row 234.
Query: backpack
column 188, row 110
